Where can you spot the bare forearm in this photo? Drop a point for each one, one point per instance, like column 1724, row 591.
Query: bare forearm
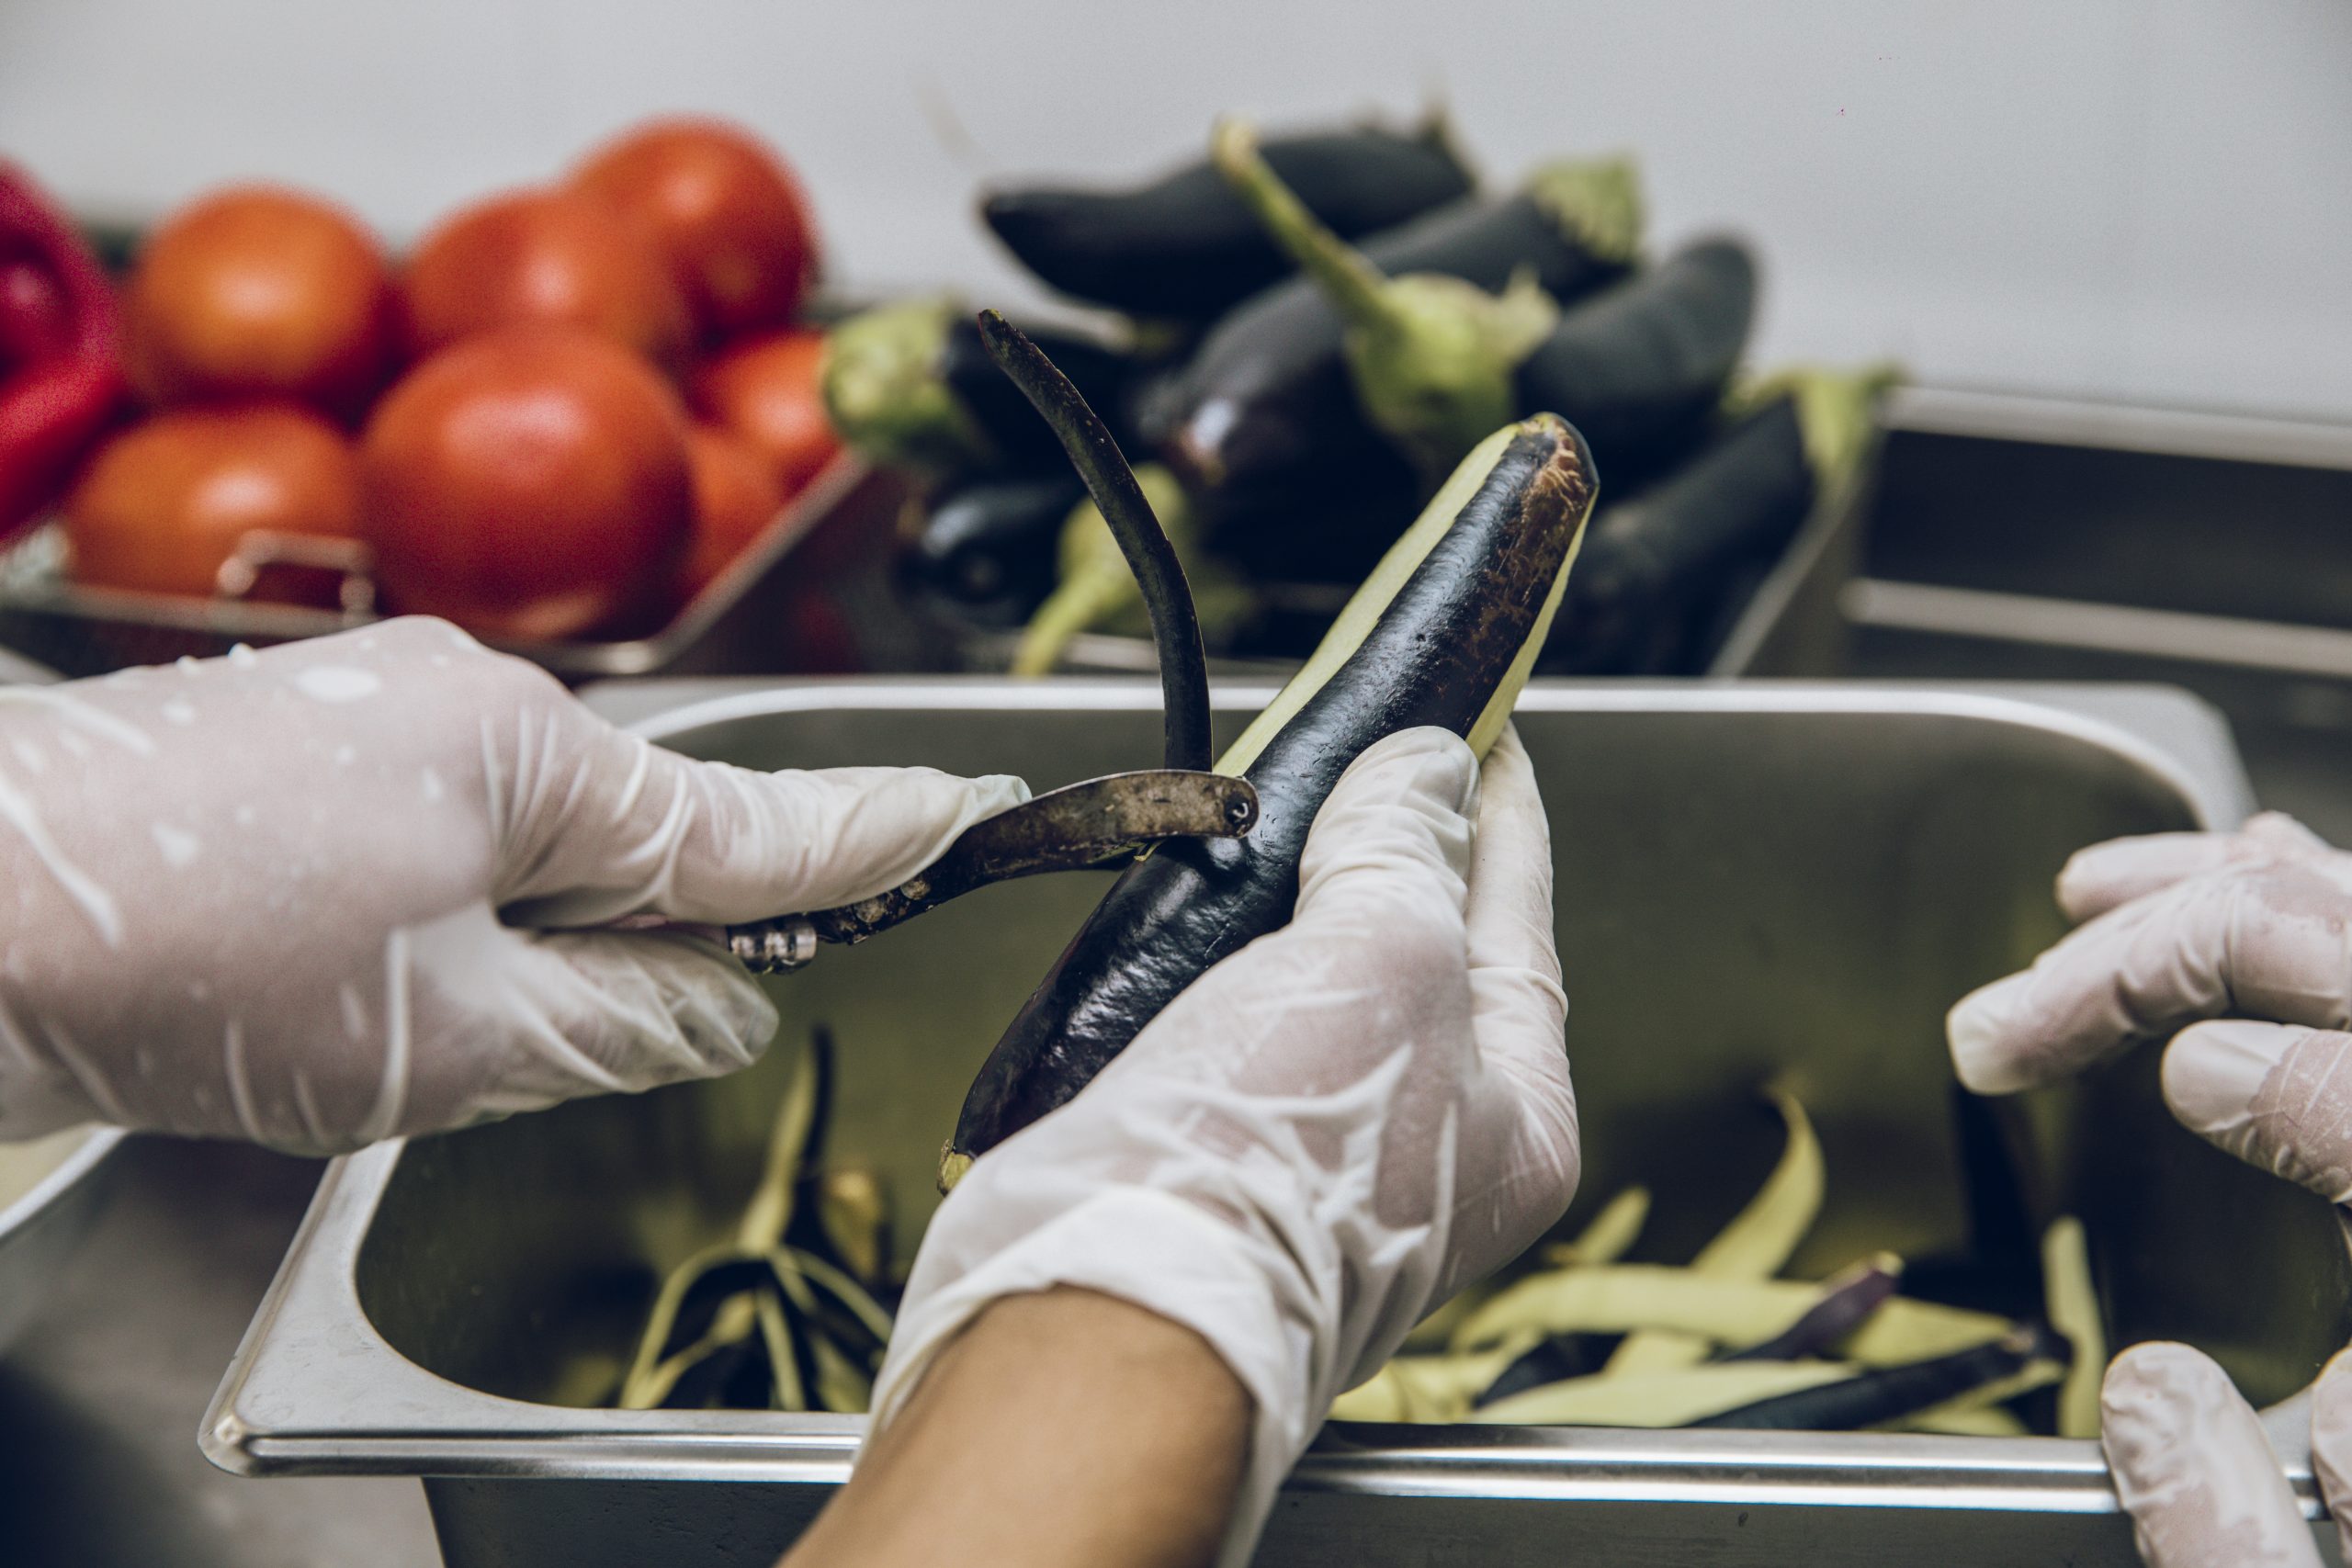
column 1061, row 1430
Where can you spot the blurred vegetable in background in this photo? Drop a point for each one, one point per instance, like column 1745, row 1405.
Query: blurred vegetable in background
column 164, row 508
column 1183, row 246
column 1296, row 424
column 909, row 384
column 736, row 495
column 61, row 379
column 678, row 255
column 260, row 292
column 765, row 389
column 722, row 211
column 531, row 482
column 555, row 256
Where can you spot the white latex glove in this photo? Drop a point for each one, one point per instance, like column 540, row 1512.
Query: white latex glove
column 1323, row 1136
column 2182, row 929
column 2185, row 927
column 2197, row 1475
column 307, row 897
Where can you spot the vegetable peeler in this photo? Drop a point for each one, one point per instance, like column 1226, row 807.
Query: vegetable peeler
column 1094, row 825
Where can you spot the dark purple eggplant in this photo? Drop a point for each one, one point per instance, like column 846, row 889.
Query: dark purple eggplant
column 1264, row 404
column 1183, row 247
column 1436, row 636
column 1739, row 500
column 1639, row 367
column 986, row 551
column 910, row 385
column 1437, row 360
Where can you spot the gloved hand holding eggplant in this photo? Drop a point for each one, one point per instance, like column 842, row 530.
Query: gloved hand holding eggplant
column 1299, row 399
column 1283, row 1091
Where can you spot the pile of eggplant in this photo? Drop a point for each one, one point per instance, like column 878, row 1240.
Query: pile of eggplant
column 1298, row 339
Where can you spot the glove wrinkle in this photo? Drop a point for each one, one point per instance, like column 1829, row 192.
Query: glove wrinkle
column 94, row 902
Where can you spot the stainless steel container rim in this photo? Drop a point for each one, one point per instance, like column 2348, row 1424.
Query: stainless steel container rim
column 2023, row 703
column 87, row 1155
column 301, row 1405
column 312, row 1382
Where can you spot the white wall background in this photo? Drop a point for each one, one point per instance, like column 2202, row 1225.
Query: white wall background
column 2147, row 200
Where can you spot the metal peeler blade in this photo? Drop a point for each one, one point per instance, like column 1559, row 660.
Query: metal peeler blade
column 1092, row 825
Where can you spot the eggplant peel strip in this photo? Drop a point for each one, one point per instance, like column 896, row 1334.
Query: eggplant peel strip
column 1755, row 1245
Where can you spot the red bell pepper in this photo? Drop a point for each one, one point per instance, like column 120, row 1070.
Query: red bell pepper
column 61, row 361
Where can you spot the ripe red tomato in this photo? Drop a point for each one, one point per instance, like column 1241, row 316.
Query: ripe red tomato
column 527, row 483
column 723, row 209
column 736, row 497
column 259, row 292
column 765, row 389
column 163, row 504
column 550, row 256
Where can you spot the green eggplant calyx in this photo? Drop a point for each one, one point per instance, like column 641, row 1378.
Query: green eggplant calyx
column 1595, row 201
column 1435, row 374
column 1431, row 357
column 884, row 392
column 1096, row 584
column 1837, row 412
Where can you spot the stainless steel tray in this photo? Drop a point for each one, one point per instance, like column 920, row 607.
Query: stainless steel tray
column 1753, row 880
column 2030, row 538
column 42, row 1227
column 831, row 544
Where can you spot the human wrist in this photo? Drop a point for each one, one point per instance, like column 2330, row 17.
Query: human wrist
column 1246, row 1298
column 1057, row 1427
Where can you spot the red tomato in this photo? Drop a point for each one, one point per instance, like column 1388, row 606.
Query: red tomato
column 723, row 209
column 549, row 257
column 163, row 504
column 527, row 483
column 257, row 292
column 736, row 497
column 765, row 389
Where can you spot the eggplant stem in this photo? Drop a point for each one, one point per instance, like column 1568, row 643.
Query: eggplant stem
column 1175, row 624
column 1345, row 274
column 1075, row 604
